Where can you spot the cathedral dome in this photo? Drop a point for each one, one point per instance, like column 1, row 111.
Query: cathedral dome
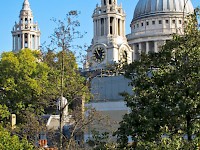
column 145, row 8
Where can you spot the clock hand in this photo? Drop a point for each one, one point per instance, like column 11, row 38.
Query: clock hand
column 97, row 52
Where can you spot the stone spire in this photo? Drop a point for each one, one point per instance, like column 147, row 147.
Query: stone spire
column 109, row 43
column 26, row 33
column 26, row 5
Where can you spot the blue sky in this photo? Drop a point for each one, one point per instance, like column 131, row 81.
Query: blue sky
column 44, row 10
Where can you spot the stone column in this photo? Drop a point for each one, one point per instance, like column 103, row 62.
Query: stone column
column 20, row 41
column 139, row 48
column 104, row 26
column 117, row 26
column 94, row 29
column 38, row 42
column 134, row 52
column 99, row 28
column 35, row 41
column 16, row 43
column 155, row 46
column 23, row 41
column 114, row 26
column 13, row 42
column 30, row 41
column 121, row 27
column 147, row 47
column 108, row 25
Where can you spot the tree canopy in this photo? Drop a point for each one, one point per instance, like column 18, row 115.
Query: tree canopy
column 165, row 105
column 9, row 142
column 25, row 80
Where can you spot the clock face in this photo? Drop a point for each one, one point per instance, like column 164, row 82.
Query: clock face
column 99, row 54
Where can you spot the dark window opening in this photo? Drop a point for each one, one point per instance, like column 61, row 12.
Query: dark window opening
column 102, row 26
column 26, row 44
column 160, row 21
column 111, row 25
column 26, row 20
column 26, row 35
column 104, row 2
column 110, row 2
column 119, row 27
column 153, row 22
column 147, row 23
column 166, row 21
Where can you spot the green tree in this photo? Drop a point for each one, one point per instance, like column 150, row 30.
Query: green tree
column 4, row 113
column 64, row 71
column 25, row 81
column 9, row 142
column 165, row 105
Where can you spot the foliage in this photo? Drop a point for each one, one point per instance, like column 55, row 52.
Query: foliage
column 4, row 113
column 166, row 95
column 101, row 141
column 63, row 39
column 25, row 80
column 9, row 142
column 74, row 84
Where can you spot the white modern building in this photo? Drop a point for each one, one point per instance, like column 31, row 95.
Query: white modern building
column 26, row 33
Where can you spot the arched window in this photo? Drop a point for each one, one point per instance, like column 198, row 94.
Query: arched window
column 26, row 21
column 104, row 2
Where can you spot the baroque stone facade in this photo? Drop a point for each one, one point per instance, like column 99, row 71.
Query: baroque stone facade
column 109, row 43
column 26, row 33
column 153, row 23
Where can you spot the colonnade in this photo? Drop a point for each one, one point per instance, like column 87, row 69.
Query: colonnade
column 109, row 26
column 146, row 47
column 21, row 41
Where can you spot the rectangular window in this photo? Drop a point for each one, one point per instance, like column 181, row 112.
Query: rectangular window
column 142, row 24
column 160, row 21
column 180, row 21
column 166, row 21
column 153, row 22
column 147, row 23
column 173, row 21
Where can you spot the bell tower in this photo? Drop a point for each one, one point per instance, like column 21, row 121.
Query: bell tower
column 109, row 44
column 25, row 33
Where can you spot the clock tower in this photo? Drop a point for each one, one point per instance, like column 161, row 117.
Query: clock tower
column 109, row 44
column 26, row 33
